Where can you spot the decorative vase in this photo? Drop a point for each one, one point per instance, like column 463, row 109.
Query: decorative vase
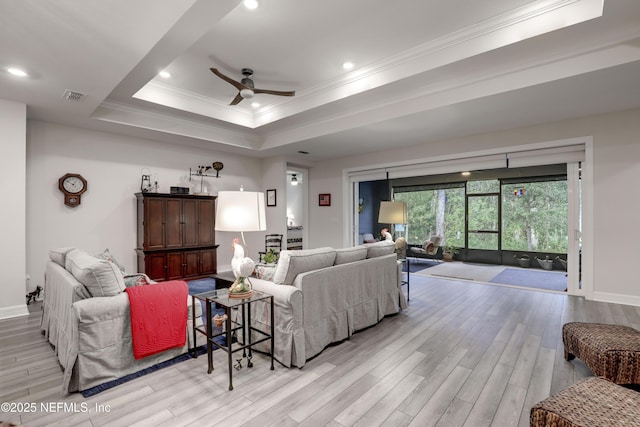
column 524, row 260
column 545, row 264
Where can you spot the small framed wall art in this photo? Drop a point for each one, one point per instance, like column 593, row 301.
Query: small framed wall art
column 324, row 199
column 271, row 197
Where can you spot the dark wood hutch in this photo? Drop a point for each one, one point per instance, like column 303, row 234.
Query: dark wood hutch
column 176, row 236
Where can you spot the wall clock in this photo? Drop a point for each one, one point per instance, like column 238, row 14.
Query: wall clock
column 72, row 186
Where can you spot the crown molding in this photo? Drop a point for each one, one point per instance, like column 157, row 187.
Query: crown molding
column 531, row 20
column 116, row 112
column 502, row 30
column 170, row 96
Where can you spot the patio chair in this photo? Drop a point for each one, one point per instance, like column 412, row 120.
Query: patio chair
column 429, row 248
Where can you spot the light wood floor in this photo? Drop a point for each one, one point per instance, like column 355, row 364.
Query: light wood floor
column 463, row 354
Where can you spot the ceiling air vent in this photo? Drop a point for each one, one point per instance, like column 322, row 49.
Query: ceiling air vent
column 74, row 96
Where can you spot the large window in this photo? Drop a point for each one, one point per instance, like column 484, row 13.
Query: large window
column 534, row 216
column 515, row 214
column 437, row 211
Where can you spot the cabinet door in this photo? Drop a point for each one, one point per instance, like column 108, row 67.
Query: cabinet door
column 190, row 222
column 208, row 261
column 155, row 266
column 175, row 265
column 191, row 263
column 154, row 214
column 206, row 233
column 173, row 223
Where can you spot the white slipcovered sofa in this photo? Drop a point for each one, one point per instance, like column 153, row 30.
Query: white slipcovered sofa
column 85, row 316
column 324, row 295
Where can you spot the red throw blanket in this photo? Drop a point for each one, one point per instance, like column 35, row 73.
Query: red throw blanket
column 158, row 317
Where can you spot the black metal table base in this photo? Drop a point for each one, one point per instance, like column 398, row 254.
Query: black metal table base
column 232, row 327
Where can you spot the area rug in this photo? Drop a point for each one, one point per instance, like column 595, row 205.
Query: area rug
column 416, row 265
column 539, row 279
column 465, row 271
column 110, row 384
column 199, row 286
column 195, row 287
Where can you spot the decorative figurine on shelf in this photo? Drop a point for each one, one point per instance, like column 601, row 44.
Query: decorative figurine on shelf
column 145, row 181
column 217, row 166
column 202, row 172
column 242, row 268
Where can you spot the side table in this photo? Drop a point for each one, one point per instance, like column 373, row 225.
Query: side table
column 406, row 262
column 221, row 298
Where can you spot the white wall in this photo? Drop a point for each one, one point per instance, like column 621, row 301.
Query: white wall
column 273, row 178
column 616, row 139
column 13, row 117
column 112, row 166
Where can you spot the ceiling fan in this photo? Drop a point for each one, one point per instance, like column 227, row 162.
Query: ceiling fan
column 246, row 87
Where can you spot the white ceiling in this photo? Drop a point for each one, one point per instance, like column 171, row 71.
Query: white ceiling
column 424, row 71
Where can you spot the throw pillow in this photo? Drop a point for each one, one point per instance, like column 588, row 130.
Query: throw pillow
column 101, row 278
column 265, row 271
column 292, row 263
column 346, row 255
column 138, row 279
column 106, row 255
column 59, row 255
column 380, row 248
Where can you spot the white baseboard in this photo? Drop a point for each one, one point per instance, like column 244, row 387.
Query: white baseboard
column 13, row 311
column 617, row 298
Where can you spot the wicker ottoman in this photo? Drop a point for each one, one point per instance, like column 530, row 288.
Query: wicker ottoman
column 591, row 402
column 610, row 351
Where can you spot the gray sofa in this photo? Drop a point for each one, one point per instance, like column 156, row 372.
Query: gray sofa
column 324, row 295
column 86, row 318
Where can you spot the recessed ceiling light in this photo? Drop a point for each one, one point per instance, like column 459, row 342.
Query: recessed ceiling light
column 466, row 173
column 255, row 104
column 17, row 72
column 164, row 74
column 251, row 4
column 347, row 65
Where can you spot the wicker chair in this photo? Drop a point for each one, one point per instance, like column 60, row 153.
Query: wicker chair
column 610, row 351
column 590, row 402
column 430, row 249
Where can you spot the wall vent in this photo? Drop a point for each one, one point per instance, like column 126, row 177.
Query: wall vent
column 74, row 96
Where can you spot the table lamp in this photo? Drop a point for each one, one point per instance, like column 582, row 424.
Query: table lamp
column 392, row 213
column 240, row 211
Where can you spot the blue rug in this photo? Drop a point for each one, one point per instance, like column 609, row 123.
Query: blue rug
column 419, row 264
column 539, row 279
column 110, row 384
column 199, row 286
column 195, row 287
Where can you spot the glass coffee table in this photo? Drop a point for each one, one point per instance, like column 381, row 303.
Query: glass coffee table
column 230, row 327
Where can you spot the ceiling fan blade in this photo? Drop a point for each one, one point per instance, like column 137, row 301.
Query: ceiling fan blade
column 237, row 99
column 275, row 92
column 237, row 84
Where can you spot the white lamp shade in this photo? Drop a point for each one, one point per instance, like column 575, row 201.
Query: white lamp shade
column 393, row 213
column 240, row 211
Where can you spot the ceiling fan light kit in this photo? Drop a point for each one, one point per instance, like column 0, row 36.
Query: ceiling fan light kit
column 246, row 87
column 246, row 93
